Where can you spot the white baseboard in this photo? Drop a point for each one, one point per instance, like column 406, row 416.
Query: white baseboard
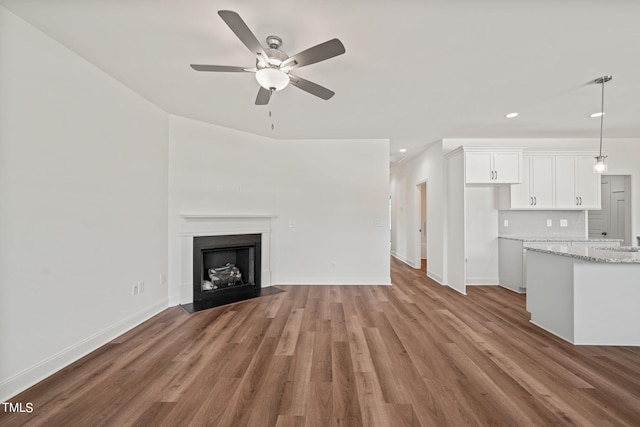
column 357, row 281
column 36, row 373
column 435, row 277
column 482, row 281
column 404, row 259
column 518, row 290
column 457, row 290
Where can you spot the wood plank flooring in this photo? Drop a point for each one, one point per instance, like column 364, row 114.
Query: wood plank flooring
column 413, row 354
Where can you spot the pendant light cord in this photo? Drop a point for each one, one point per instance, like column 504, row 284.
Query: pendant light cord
column 602, row 116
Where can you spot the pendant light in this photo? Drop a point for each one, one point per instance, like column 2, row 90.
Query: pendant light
column 600, row 166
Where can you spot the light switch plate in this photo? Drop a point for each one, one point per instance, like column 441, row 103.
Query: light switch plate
column 564, row 223
column 549, row 223
column 505, row 223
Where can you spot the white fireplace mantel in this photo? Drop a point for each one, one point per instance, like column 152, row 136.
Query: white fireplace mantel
column 192, row 225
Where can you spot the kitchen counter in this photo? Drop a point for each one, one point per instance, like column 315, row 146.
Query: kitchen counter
column 543, row 239
column 620, row 254
column 585, row 295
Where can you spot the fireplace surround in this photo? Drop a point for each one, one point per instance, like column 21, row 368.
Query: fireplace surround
column 194, row 226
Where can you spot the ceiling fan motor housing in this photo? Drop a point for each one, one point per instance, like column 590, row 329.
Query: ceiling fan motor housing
column 274, row 42
column 276, row 57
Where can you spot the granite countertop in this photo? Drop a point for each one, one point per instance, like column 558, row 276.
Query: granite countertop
column 621, row 254
column 558, row 239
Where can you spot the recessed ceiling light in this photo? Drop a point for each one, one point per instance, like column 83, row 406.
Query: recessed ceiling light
column 403, row 150
column 598, row 114
column 511, row 115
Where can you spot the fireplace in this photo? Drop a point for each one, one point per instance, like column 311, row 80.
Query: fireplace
column 227, row 238
column 226, row 268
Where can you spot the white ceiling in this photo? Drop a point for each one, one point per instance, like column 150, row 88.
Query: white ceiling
column 415, row 71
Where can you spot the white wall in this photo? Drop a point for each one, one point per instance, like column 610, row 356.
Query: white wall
column 336, row 192
column 481, row 235
column 426, row 166
column 83, row 206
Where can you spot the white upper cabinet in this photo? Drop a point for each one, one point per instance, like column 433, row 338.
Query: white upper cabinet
column 536, row 190
column 577, row 186
column 542, row 181
column 554, row 181
column 588, row 183
column 486, row 166
column 507, row 167
column 566, row 196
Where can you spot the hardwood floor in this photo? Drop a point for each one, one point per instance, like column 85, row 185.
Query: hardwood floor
column 411, row 354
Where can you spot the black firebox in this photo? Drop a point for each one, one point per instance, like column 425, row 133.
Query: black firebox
column 226, row 268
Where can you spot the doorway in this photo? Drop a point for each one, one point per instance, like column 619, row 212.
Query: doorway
column 613, row 221
column 422, row 235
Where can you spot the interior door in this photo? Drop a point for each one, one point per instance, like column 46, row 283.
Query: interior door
column 600, row 220
column 617, row 209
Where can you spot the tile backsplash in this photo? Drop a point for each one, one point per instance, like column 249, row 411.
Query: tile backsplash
column 534, row 223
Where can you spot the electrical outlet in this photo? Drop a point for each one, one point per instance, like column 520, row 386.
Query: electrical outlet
column 549, row 223
column 505, row 223
column 135, row 289
column 564, row 223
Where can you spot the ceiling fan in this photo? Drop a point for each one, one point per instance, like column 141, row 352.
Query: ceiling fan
column 273, row 66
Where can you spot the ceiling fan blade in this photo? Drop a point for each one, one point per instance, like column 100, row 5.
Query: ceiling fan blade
column 312, row 88
column 224, row 68
column 240, row 29
column 326, row 50
column 263, row 96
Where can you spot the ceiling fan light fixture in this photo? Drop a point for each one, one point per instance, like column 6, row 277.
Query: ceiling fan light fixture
column 272, row 79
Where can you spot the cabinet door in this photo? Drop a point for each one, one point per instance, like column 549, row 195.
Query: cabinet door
column 478, row 168
column 521, row 197
column 588, row 183
column 506, row 166
column 566, row 196
column 542, row 181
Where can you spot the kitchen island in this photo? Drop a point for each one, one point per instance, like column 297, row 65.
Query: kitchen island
column 512, row 250
column 586, row 295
